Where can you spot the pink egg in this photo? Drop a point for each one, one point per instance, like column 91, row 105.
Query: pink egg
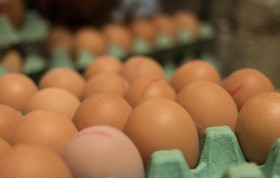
column 103, row 151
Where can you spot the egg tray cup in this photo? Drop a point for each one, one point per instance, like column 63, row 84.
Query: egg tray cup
column 220, row 157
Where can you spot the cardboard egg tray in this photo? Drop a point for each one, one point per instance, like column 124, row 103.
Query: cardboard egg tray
column 220, row 157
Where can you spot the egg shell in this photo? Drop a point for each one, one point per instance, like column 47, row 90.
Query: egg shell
column 257, row 126
column 162, row 124
column 32, row 161
column 106, row 82
column 16, row 89
column 12, row 61
column 103, row 64
column 9, row 118
column 140, row 66
column 55, row 99
column 209, row 104
column 149, row 87
column 193, row 70
column 118, row 34
column 59, row 37
column 102, row 109
column 144, row 29
column 65, row 78
column 103, row 151
column 187, row 20
column 4, row 146
column 164, row 24
column 244, row 83
column 46, row 128
column 14, row 10
column 91, row 40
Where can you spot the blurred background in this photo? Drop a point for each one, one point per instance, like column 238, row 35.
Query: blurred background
column 230, row 34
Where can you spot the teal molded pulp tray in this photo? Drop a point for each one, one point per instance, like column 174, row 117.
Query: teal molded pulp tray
column 220, row 157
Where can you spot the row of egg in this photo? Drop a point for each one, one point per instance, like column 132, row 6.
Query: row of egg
column 141, row 35
column 108, row 120
column 77, row 48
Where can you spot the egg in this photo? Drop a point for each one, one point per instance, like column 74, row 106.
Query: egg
column 208, row 104
column 138, row 66
column 162, row 124
column 12, row 61
column 32, row 161
column 16, row 89
column 118, row 34
column 164, row 25
column 149, row 87
column 59, row 37
column 90, row 40
column 14, row 10
column 9, row 118
column 103, row 151
column 106, row 82
column 257, row 126
column 144, row 29
column 46, row 128
column 55, row 99
column 193, row 70
column 4, row 146
column 65, row 78
column 244, row 83
column 187, row 20
column 102, row 109
column 103, row 64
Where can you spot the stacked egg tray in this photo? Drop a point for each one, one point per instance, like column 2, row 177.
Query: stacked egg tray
column 29, row 40
column 220, row 157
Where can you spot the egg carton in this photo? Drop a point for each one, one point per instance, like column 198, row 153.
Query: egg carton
column 28, row 39
column 220, row 157
column 33, row 30
column 35, row 64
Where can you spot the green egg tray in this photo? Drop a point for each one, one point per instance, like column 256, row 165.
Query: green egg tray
column 220, row 157
column 30, row 36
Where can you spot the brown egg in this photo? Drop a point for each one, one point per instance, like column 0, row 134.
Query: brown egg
column 55, row 99
column 245, row 83
column 149, row 87
column 102, row 109
column 162, row 124
column 9, row 118
column 59, row 37
column 209, row 105
column 32, row 161
column 192, row 71
column 47, row 128
column 140, row 66
column 103, row 64
column 118, row 34
column 16, row 89
column 257, row 126
column 4, row 146
column 14, row 10
column 65, row 78
column 106, row 82
column 188, row 21
column 12, row 61
column 143, row 28
column 164, row 24
column 91, row 40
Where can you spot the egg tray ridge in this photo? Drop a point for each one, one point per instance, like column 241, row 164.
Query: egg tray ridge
column 220, row 157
